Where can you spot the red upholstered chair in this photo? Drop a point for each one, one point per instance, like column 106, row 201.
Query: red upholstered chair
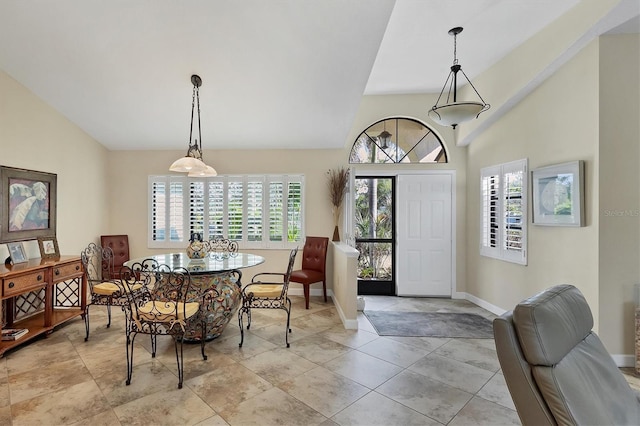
column 314, row 262
column 119, row 244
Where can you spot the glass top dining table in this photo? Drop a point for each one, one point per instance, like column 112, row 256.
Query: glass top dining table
column 219, row 271
column 214, row 262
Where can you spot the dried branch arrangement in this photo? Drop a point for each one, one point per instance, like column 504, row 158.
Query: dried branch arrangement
column 338, row 180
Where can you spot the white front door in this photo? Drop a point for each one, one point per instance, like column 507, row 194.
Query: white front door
column 424, row 257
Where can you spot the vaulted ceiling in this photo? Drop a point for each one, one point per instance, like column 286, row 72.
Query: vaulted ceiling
column 276, row 74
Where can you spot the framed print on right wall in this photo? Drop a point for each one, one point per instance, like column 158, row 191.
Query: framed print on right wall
column 558, row 194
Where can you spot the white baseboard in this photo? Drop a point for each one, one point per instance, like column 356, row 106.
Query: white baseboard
column 620, row 360
column 496, row 310
column 624, row 360
column 347, row 323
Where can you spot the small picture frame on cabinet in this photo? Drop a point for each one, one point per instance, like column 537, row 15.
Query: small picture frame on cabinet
column 48, row 247
column 17, row 253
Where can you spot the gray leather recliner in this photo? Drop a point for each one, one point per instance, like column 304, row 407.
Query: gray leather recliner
column 557, row 369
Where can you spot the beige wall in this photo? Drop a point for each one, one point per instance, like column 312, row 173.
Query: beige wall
column 129, row 170
column 520, row 70
column 619, row 269
column 589, row 111
column 35, row 136
column 557, row 122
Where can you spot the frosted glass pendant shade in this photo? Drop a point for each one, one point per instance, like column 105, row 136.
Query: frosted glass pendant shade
column 187, row 164
column 456, row 113
column 208, row 171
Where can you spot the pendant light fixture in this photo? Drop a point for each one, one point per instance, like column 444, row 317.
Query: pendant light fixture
column 384, row 137
column 453, row 112
column 192, row 163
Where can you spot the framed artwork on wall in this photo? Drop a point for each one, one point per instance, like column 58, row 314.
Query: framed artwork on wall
column 17, row 253
column 27, row 204
column 558, row 195
column 48, row 247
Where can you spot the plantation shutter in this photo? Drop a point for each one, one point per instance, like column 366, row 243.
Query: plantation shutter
column 490, row 191
column 158, row 210
column 176, row 212
column 294, row 211
column 513, row 206
column 514, row 176
column 235, row 206
column 254, row 209
column 276, row 204
column 503, row 217
column 216, row 209
column 196, row 208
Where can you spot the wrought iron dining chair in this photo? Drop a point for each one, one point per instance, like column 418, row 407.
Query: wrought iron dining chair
column 269, row 294
column 98, row 266
column 162, row 306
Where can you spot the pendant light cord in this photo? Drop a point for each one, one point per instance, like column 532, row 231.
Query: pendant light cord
column 198, row 143
column 197, row 90
column 455, row 49
column 193, row 100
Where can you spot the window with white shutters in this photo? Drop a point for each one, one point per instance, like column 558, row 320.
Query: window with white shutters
column 503, row 214
column 241, row 208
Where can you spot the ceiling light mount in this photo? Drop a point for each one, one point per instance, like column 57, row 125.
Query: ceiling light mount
column 453, row 112
column 192, row 163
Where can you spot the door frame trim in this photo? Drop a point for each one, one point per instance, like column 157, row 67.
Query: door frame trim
column 368, row 171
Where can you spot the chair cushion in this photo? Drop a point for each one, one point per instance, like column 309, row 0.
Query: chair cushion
column 266, row 290
column 108, row 288
column 306, row 276
column 165, row 311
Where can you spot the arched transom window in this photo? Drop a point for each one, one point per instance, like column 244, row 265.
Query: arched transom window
column 398, row 140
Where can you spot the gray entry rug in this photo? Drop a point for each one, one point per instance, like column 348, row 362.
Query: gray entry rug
column 430, row 324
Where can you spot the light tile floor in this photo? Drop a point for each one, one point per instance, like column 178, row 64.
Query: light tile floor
column 329, row 376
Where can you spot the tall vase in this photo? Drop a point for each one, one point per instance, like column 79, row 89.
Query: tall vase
column 336, row 220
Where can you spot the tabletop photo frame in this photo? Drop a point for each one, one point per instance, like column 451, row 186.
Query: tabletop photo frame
column 558, row 194
column 48, row 247
column 17, row 253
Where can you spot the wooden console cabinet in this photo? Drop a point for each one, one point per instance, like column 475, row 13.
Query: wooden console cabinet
column 41, row 294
